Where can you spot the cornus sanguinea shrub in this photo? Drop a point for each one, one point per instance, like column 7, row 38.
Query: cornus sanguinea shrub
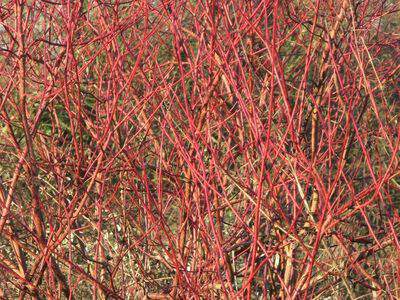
column 199, row 149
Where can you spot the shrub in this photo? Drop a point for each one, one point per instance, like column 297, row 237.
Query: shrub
column 199, row 149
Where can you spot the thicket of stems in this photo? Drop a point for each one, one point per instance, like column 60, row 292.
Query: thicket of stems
column 199, row 149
